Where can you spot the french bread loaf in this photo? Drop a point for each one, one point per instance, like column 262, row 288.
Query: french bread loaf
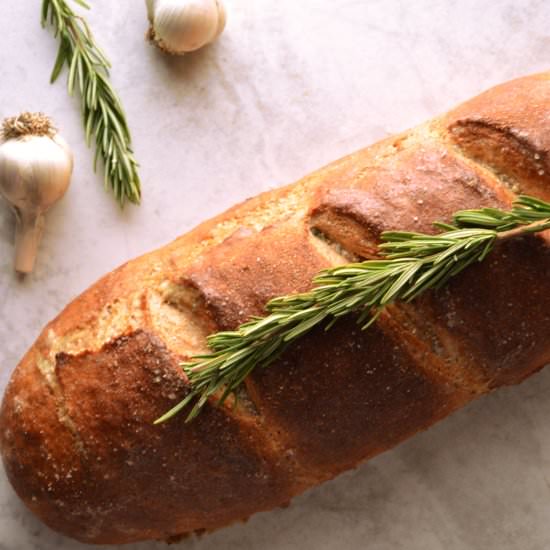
column 76, row 424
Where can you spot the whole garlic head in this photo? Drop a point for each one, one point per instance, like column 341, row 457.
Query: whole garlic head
column 182, row 26
column 35, row 171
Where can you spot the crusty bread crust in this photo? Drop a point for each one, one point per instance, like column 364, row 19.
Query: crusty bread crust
column 76, row 429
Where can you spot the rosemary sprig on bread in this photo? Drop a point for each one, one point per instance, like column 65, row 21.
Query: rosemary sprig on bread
column 411, row 264
column 102, row 112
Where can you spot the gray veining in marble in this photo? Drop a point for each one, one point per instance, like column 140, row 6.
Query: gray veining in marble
column 290, row 86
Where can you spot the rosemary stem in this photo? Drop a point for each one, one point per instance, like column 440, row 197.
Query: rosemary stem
column 521, row 230
column 411, row 264
column 102, row 111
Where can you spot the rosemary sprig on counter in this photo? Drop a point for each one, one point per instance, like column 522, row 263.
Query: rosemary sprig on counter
column 412, row 263
column 102, row 112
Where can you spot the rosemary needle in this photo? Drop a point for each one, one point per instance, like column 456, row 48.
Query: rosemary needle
column 102, row 112
column 412, row 263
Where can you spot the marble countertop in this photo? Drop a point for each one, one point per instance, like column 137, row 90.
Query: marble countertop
column 289, row 87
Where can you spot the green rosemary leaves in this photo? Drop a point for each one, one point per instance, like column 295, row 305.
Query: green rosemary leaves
column 102, row 112
column 412, row 263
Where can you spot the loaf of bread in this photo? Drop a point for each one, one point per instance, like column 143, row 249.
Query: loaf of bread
column 76, row 424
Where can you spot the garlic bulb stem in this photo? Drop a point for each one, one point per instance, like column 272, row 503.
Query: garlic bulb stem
column 35, row 171
column 28, row 234
column 182, row 26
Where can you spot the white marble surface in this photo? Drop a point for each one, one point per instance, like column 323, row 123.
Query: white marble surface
column 290, row 86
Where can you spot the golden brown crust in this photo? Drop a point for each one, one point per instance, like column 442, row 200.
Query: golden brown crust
column 278, row 259
column 344, row 396
column 95, row 490
column 421, row 182
column 508, row 129
column 76, row 421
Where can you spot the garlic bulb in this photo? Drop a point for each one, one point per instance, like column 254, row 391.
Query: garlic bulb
column 35, row 171
column 181, row 26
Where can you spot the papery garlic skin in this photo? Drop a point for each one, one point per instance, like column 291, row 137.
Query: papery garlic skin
column 182, row 26
column 35, row 172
